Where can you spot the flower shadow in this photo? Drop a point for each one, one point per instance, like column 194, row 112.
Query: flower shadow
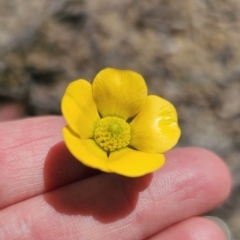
column 87, row 192
column 61, row 168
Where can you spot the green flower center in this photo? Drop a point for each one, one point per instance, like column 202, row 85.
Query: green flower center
column 112, row 133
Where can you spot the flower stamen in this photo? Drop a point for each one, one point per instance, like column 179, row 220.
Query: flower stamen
column 112, row 133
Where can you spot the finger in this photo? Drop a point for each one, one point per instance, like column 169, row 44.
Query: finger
column 195, row 228
column 31, row 154
column 109, row 206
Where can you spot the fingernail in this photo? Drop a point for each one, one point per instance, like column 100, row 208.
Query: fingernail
column 222, row 225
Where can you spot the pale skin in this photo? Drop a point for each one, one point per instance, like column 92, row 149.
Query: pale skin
column 46, row 194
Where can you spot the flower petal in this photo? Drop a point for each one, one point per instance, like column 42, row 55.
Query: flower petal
column 132, row 163
column 86, row 151
column 155, row 128
column 79, row 108
column 119, row 93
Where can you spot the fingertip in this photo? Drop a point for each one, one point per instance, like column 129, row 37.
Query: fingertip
column 209, row 172
column 220, row 224
column 193, row 228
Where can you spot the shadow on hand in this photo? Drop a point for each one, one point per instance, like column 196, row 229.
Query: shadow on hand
column 61, row 168
column 106, row 197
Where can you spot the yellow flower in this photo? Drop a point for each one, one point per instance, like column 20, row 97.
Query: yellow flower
column 115, row 127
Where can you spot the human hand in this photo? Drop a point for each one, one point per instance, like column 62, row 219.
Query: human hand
column 46, row 194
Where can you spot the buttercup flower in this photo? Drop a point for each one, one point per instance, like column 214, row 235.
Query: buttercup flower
column 115, row 127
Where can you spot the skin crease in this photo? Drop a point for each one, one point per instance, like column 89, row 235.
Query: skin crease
column 46, row 194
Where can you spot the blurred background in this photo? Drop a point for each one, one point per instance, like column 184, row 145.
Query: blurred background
column 188, row 51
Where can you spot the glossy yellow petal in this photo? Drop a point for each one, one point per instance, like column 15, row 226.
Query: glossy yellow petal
column 132, row 163
column 79, row 109
column 86, row 151
column 155, row 128
column 119, row 93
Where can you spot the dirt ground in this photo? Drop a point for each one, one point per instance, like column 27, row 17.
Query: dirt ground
column 188, row 51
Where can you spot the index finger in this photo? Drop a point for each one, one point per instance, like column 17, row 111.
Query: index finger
column 32, row 150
